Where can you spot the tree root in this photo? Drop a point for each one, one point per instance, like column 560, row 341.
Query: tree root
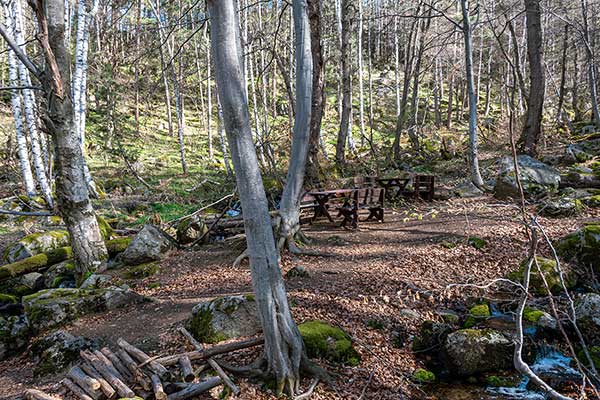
column 245, row 254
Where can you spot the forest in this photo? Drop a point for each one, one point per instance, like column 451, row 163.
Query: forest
column 304, row 199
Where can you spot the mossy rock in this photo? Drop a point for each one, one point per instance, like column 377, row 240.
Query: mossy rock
column 592, row 201
column 36, row 262
column 106, row 230
column 329, row 342
column 191, row 229
column 582, row 247
column 431, row 337
column 509, row 380
column 422, row 375
column 532, row 315
column 34, row 244
column 476, row 314
column 477, row 242
column 58, row 351
column 224, row 318
column 469, row 352
column 60, row 273
column 594, row 354
column 117, row 245
column 7, row 299
column 550, row 271
column 14, row 334
column 561, row 207
column 142, row 271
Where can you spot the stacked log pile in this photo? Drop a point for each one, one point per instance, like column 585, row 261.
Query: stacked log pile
column 129, row 372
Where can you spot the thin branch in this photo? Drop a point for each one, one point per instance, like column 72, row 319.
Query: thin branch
column 24, row 59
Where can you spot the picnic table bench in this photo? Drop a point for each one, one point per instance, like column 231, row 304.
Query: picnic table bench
column 423, row 187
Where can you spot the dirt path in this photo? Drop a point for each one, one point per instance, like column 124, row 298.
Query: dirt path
column 395, row 273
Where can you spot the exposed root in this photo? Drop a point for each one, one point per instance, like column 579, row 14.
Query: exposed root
column 241, row 258
column 309, row 391
column 294, row 249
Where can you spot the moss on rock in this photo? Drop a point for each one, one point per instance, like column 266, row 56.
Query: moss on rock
column 532, row 315
column 477, row 242
column 117, row 245
column 422, row 375
column 329, row 342
column 106, row 230
column 142, row 271
column 550, row 271
column 36, row 262
column 34, row 244
column 7, row 299
column 582, row 246
column 477, row 313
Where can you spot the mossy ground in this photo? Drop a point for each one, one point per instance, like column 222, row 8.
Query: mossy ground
column 142, row 271
column 477, row 313
column 423, row 376
column 329, row 342
column 477, row 242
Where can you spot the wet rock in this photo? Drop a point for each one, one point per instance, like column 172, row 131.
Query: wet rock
column 14, row 334
column 560, row 207
column 148, row 245
column 35, row 243
column 536, row 178
column 328, row 342
column 224, row 318
column 587, row 310
column 58, row 351
column 582, row 247
column 471, row 351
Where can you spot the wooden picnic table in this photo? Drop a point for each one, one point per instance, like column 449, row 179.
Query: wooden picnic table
column 323, row 196
column 394, row 187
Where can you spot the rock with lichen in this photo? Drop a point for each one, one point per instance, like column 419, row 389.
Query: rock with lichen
column 560, row 207
column 34, row 244
column 473, row 351
column 581, row 247
column 587, row 310
column 551, row 273
column 536, row 178
column 60, row 275
column 329, row 342
column 224, row 318
column 58, row 351
column 148, row 245
column 14, row 334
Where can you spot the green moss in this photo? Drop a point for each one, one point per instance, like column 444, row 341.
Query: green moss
column 200, row 325
column 477, row 313
column 550, row 271
column 106, row 230
column 593, row 201
column 448, row 245
column 532, row 315
column 141, row 271
column 375, row 324
column 503, row 381
column 477, row 242
column 594, row 354
column 250, row 297
column 7, row 299
column 154, row 285
column 329, row 342
column 36, row 262
column 423, row 376
column 118, row 245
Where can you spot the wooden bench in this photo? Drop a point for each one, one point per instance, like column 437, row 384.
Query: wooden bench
column 308, row 203
column 424, row 187
column 371, row 199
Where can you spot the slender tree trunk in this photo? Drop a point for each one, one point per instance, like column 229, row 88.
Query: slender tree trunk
column 361, row 95
column 589, row 51
column 222, row 138
column 211, row 152
column 451, row 83
column 345, row 123
column 563, row 79
column 473, row 150
column 532, row 131
column 284, row 349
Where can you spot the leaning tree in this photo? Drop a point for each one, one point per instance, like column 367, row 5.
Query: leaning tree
column 284, row 349
column 58, row 115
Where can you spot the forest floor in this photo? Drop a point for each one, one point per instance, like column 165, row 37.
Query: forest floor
column 379, row 284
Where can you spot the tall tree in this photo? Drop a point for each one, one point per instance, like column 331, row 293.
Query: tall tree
column 284, row 349
column 532, row 130
column 346, row 79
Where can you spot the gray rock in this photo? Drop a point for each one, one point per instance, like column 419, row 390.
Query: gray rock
column 472, row 351
column 224, row 318
column 560, row 207
column 587, row 310
column 58, row 351
column 59, row 273
column 409, row 313
column 148, row 245
column 33, row 280
column 536, row 178
column 14, row 334
column 119, row 297
column 466, row 189
column 96, row 281
column 297, row 272
column 35, row 243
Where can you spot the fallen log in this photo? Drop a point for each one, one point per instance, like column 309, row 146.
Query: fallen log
column 234, row 389
column 33, row 394
column 122, row 389
column 77, row 391
column 89, row 385
column 117, row 363
column 108, row 391
column 157, row 388
column 136, row 372
column 142, row 357
column 172, row 387
column 195, row 389
column 210, row 352
column 111, row 367
column 187, row 373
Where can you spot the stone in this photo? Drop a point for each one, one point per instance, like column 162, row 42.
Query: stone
column 106, row 230
column 297, row 272
column 32, row 280
column 550, row 270
column 587, row 310
column 472, row 351
column 431, row 337
column 148, row 245
column 581, row 247
column 423, row 376
column 141, row 271
column 560, row 207
column 466, row 189
column 96, row 281
column 328, row 342
column 14, row 334
column 582, row 151
column 59, row 274
column 477, row 313
column 35, row 243
column 58, row 351
column 191, row 229
column 409, row 313
column 224, row 318
column 536, row 178
column 119, row 297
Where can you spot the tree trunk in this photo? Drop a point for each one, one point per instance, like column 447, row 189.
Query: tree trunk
column 560, row 114
column 532, row 131
column 361, row 104
column 71, row 187
column 345, row 123
column 284, row 350
column 589, row 51
column 473, row 151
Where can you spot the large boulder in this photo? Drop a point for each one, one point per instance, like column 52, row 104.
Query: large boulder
column 587, row 310
column 472, row 351
column 550, row 270
column 582, row 247
column 14, row 334
column 560, row 207
column 536, row 178
column 60, row 275
column 329, row 342
column 35, row 243
column 224, row 318
column 58, row 351
column 54, row 307
column 148, row 245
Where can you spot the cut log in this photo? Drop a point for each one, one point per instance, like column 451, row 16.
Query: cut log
column 89, row 385
column 187, row 373
column 213, row 351
column 195, row 389
column 76, row 390
column 137, row 373
column 109, row 365
column 234, row 389
column 117, row 363
column 122, row 389
column 142, row 357
column 33, row 394
column 157, row 388
column 172, row 387
column 108, row 390
column 35, row 263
